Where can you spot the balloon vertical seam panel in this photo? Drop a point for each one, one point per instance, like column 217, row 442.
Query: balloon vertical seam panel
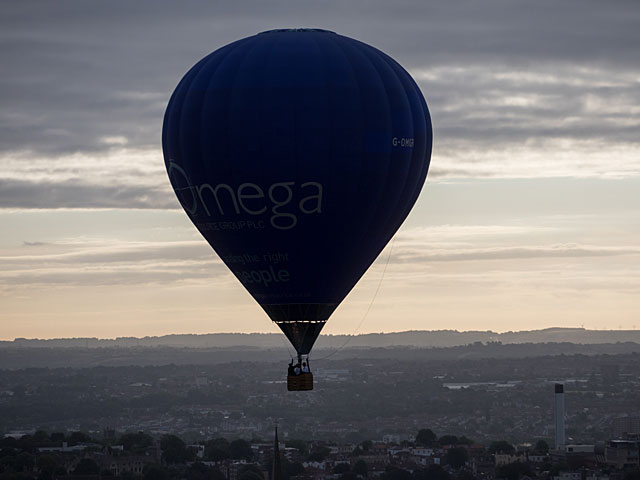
column 418, row 155
column 380, row 62
column 352, row 167
column 366, row 82
column 297, row 155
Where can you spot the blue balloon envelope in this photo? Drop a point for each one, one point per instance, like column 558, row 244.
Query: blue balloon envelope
column 297, row 154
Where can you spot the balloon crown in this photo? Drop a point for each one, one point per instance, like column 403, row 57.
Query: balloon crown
column 278, row 30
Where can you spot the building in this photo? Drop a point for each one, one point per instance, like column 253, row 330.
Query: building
column 568, row 476
column 622, row 454
column 559, row 416
column 506, row 458
column 622, row 426
column 198, row 449
column 118, row 465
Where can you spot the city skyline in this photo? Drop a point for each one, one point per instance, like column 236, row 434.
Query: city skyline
column 530, row 216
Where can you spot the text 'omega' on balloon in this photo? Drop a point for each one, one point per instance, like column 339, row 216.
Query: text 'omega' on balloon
column 297, row 154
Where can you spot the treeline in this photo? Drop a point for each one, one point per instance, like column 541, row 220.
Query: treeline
column 24, row 457
column 169, row 458
column 47, row 456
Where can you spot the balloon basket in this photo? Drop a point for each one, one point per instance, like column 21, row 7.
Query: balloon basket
column 300, row 383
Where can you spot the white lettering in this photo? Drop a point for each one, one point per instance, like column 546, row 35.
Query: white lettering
column 176, row 183
column 317, row 197
column 407, row 142
column 281, row 199
column 276, row 213
column 265, row 277
column 214, row 191
column 242, row 196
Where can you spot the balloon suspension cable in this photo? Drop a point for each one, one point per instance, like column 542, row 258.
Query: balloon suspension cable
column 368, row 308
column 288, row 347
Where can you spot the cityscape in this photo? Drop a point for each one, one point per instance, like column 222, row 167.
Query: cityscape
column 556, row 416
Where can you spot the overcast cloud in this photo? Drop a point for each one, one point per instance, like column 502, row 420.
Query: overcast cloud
column 516, row 89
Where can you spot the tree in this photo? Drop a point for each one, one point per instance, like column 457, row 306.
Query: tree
column 465, row 475
column 360, row 468
column 318, row 454
column 8, row 442
column 542, row 446
column 153, row 471
column 27, row 444
column 356, row 452
column 212, row 474
column 86, row 466
column 217, row 449
column 47, row 465
column 341, row 468
column 348, row 476
column 366, row 445
column 41, row 438
column 250, row 472
column 197, row 471
column 432, row 472
column 291, row 469
column 632, row 475
column 240, row 449
column 24, row 462
column 556, row 468
column 174, row 450
column 448, row 440
column 78, row 437
column 513, row 471
column 135, row 442
column 456, row 457
column 426, row 438
column 395, row 473
column 300, row 445
column 501, row 446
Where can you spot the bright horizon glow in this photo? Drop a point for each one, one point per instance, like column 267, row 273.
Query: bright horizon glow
column 100, row 274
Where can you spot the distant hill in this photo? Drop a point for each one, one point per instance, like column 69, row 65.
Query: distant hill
column 416, row 339
column 81, row 357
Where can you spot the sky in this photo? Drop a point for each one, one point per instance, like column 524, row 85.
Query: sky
column 530, row 216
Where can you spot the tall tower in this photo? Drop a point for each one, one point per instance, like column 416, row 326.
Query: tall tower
column 276, row 472
column 559, row 414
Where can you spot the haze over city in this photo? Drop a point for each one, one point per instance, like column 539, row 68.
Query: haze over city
column 530, row 216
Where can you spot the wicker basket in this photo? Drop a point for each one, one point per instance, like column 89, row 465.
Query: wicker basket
column 298, row 383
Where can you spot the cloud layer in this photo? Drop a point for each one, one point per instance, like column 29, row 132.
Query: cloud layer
column 501, row 276
column 103, row 262
column 544, row 90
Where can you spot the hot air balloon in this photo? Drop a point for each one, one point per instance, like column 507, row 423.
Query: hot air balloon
column 297, row 154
